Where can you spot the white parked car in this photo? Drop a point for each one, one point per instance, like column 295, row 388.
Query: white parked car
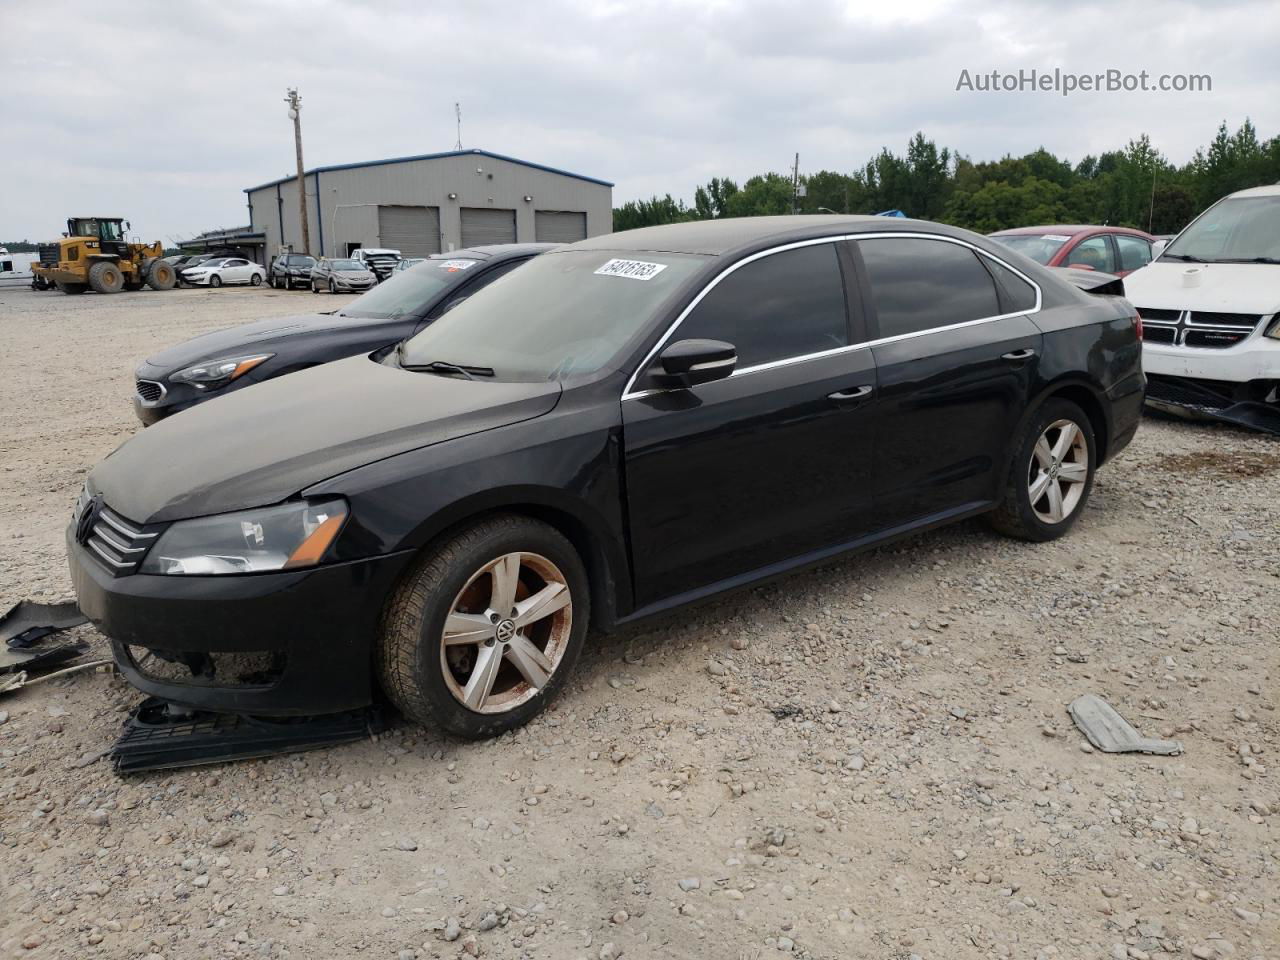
column 1210, row 308
column 214, row 273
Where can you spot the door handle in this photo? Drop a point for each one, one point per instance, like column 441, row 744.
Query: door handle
column 1016, row 355
column 857, row 393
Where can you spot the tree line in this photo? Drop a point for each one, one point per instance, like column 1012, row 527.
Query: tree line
column 1136, row 186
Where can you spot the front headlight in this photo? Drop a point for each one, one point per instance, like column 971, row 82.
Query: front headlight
column 271, row 538
column 1273, row 331
column 205, row 376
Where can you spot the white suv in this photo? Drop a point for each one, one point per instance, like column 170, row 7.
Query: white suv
column 1210, row 308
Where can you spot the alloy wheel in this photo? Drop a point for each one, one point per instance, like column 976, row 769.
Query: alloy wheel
column 506, row 633
column 1058, row 471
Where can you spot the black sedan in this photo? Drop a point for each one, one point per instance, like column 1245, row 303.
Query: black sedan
column 219, row 363
column 627, row 424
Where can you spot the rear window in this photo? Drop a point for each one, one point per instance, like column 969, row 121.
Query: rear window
column 919, row 284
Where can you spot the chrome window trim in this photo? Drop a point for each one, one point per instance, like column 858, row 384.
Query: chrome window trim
column 629, row 394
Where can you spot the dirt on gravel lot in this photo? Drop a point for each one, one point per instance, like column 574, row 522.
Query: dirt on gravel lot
column 870, row 760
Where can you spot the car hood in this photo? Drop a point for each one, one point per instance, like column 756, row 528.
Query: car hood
column 246, row 338
column 354, row 274
column 260, row 446
column 1222, row 287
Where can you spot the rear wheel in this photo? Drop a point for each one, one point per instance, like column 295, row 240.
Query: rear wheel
column 486, row 628
column 215, row 281
column 161, row 276
column 1051, row 474
column 106, row 277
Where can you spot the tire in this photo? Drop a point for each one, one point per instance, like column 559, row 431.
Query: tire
column 162, row 276
column 333, row 287
column 72, row 288
column 255, row 280
column 215, row 281
column 1018, row 515
column 428, row 680
column 106, row 277
column 314, row 288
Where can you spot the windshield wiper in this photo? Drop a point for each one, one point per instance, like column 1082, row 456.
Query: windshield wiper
column 443, row 366
column 1182, row 256
column 1247, row 260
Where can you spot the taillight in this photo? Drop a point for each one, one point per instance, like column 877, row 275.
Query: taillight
column 1137, row 323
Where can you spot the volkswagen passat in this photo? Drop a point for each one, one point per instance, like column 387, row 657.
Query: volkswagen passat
column 622, row 426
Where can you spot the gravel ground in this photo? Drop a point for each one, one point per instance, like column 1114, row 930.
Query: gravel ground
column 870, row 760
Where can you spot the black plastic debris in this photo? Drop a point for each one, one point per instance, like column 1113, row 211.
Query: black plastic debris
column 159, row 735
column 1180, row 397
column 39, row 657
column 27, row 622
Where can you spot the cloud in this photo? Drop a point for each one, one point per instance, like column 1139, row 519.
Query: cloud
column 164, row 114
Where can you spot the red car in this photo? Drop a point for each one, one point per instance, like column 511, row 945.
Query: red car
column 1117, row 250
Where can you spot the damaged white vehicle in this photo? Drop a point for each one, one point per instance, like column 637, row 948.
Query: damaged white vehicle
column 1210, row 307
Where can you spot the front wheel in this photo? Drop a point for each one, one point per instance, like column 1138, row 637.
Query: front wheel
column 1051, row 474
column 333, row 287
column 486, row 628
column 255, row 280
column 215, row 281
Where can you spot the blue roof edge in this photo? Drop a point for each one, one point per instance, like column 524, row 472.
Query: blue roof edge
column 434, row 156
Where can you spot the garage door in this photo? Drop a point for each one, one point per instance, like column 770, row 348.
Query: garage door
column 414, row 231
column 480, row 226
column 559, row 226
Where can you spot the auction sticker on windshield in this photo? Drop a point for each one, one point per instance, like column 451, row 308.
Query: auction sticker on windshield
column 631, row 269
column 452, row 265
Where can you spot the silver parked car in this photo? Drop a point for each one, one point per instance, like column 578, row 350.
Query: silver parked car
column 341, row 276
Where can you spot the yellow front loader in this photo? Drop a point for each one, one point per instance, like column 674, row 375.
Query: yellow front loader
column 94, row 254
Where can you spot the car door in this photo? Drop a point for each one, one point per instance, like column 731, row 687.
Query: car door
column 956, row 354
column 771, row 463
column 235, row 270
column 1132, row 253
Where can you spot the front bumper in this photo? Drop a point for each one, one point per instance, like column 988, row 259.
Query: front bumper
column 316, row 626
column 1257, row 358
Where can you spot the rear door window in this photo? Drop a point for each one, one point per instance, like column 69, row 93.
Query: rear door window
column 784, row 305
column 1092, row 253
column 1134, row 252
column 919, row 284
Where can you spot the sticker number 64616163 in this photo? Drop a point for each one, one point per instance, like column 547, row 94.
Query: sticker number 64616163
column 631, row 269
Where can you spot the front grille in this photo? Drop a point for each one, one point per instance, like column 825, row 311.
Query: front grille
column 49, row 254
column 149, row 391
column 118, row 543
column 1202, row 329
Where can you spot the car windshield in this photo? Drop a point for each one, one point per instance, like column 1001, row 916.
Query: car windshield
column 1039, row 248
column 1233, row 230
column 301, row 261
column 406, row 292
column 345, row 265
column 562, row 313
column 213, row 263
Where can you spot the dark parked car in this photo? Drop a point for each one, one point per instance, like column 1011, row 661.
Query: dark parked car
column 625, row 425
column 290, row 270
column 219, row 363
column 1114, row 250
column 342, row 276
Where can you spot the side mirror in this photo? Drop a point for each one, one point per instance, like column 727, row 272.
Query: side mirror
column 688, row 363
column 1157, row 248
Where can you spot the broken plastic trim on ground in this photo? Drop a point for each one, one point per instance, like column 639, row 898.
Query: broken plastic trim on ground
column 1189, row 399
column 159, row 735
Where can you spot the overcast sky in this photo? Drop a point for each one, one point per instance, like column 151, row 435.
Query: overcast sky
column 163, row 113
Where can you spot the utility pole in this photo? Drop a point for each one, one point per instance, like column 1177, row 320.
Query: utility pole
column 457, row 113
column 795, row 186
column 295, row 114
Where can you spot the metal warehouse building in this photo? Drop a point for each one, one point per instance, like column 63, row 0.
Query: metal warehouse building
column 430, row 204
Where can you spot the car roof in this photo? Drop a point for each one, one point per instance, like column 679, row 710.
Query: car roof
column 495, row 251
column 1071, row 229
column 1270, row 190
column 732, row 234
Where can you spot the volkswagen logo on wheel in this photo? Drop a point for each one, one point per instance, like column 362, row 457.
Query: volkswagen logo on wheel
column 506, row 630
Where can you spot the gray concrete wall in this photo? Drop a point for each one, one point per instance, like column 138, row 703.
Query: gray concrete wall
column 342, row 204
